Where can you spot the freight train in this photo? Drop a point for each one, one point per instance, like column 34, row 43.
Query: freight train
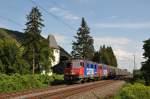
column 83, row 70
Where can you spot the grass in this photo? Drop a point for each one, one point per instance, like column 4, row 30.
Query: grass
column 18, row 82
column 134, row 91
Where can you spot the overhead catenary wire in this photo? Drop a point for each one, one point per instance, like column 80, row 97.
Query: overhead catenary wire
column 23, row 44
column 10, row 20
column 53, row 15
column 49, row 13
column 16, row 23
column 13, row 22
column 56, row 4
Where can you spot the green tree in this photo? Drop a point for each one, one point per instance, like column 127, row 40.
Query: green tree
column 96, row 57
column 111, row 57
column 106, row 55
column 83, row 46
column 11, row 60
column 46, row 56
column 146, row 65
column 37, row 49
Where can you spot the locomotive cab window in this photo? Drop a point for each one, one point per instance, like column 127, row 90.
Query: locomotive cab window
column 76, row 64
column 91, row 65
column 69, row 64
column 95, row 66
column 81, row 64
column 87, row 65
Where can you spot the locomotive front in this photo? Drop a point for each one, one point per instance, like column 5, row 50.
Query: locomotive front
column 73, row 70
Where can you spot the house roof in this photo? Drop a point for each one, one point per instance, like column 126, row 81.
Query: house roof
column 64, row 53
column 52, row 42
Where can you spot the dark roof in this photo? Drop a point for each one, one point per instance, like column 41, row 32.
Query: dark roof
column 64, row 53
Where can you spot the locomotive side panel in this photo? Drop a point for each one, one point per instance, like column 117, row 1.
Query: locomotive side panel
column 100, row 71
column 104, row 71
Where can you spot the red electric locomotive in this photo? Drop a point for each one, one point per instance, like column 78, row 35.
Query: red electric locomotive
column 74, row 70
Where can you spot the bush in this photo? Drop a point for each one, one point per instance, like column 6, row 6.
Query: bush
column 11, row 58
column 136, row 91
column 17, row 82
column 58, row 79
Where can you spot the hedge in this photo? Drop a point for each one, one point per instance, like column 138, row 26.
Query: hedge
column 135, row 91
column 16, row 82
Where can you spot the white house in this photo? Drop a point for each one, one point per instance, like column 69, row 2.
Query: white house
column 56, row 50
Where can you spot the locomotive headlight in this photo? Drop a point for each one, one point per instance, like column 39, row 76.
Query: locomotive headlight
column 72, row 73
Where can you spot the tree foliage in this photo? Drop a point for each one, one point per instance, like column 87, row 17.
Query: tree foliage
column 83, row 46
column 46, row 56
column 146, row 65
column 97, row 57
column 11, row 60
column 17, row 82
column 134, row 91
column 37, row 50
column 105, row 55
column 33, row 54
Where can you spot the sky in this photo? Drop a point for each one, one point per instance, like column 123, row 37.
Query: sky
column 122, row 24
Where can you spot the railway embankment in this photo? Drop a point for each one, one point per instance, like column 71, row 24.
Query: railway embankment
column 91, row 90
column 102, row 92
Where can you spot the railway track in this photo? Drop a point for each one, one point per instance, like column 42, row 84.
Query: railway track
column 60, row 92
column 74, row 90
column 22, row 93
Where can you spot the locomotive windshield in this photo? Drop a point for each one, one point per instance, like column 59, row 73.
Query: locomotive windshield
column 68, row 65
column 77, row 64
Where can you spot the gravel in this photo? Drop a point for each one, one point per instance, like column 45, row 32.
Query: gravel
column 104, row 92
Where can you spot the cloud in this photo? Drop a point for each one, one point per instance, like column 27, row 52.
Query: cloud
column 54, row 9
column 66, row 14
column 70, row 16
column 2, row 26
column 60, row 38
column 126, row 59
column 82, row 1
column 64, row 41
column 113, row 17
column 127, row 25
column 123, row 55
column 111, row 41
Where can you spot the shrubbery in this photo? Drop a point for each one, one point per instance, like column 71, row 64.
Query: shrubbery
column 136, row 91
column 18, row 82
column 11, row 58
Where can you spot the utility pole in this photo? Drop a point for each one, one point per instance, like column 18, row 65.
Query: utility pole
column 134, row 69
column 134, row 62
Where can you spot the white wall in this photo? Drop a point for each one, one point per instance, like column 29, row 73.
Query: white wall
column 57, row 57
